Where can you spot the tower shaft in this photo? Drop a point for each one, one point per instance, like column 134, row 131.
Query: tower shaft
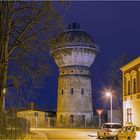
column 74, row 104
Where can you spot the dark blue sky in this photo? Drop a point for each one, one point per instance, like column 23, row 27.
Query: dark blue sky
column 115, row 26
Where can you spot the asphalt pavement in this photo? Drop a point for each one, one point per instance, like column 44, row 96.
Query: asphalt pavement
column 62, row 134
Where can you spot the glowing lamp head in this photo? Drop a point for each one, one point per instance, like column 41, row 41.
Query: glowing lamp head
column 99, row 111
column 108, row 94
column 4, row 91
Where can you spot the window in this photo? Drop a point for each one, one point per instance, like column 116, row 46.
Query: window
column 71, row 119
column 128, row 87
column 82, row 91
column 112, row 126
column 71, row 91
column 36, row 114
column 134, row 81
column 62, row 92
column 134, row 85
column 129, row 115
column 83, row 118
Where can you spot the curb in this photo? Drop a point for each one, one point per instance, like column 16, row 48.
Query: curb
column 27, row 137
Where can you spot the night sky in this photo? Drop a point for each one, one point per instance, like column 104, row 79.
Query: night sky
column 115, row 26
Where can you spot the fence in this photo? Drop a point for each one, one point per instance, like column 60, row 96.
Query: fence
column 51, row 122
column 12, row 127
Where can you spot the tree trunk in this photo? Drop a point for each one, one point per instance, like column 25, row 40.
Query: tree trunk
column 4, row 57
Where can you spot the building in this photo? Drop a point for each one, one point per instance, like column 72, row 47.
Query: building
column 131, row 92
column 38, row 118
column 74, row 52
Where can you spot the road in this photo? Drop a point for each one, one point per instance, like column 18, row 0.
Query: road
column 63, row 134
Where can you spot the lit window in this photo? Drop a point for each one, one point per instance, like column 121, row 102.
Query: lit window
column 129, row 115
column 71, row 91
column 82, row 91
column 71, row 119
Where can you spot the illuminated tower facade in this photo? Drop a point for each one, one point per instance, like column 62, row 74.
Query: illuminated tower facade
column 74, row 52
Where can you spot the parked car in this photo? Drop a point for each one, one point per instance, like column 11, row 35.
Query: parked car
column 129, row 133
column 109, row 130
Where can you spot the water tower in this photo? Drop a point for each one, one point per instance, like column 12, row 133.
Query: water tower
column 74, row 52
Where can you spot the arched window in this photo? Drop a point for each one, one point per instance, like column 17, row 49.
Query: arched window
column 134, row 85
column 83, row 118
column 71, row 91
column 128, row 86
column 134, row 81
column 71, row 119
column 36, row 114
column 82, row 91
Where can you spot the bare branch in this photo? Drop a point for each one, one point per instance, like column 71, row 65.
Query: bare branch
column 24, row 30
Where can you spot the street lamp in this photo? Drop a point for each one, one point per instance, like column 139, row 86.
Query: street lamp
column 109, row 94
column 99, row 112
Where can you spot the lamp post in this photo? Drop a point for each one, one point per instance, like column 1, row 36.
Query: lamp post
column 99, row 112
column 109, row 94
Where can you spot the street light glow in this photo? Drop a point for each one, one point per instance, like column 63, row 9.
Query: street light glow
column 108, row 94
column 4, row 91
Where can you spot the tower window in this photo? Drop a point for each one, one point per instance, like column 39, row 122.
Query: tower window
column 62, row 92
column 82, row 91
column 36, row 114
column 61, row 118
column 71, row 119
column 83, row 118
column 71, row 91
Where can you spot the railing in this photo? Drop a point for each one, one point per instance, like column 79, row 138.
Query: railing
column 51, row 122
column 12, row 127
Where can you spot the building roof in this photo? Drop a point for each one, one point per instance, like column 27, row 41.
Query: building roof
column 131, row 64
column 24, row 110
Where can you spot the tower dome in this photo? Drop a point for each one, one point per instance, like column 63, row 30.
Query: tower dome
column 74, row 37
column 74, row 47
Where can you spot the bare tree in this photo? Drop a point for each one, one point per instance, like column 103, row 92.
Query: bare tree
column 26, row 29
column 115, row 79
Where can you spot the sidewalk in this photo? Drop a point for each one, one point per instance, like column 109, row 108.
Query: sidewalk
column 36, row 136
